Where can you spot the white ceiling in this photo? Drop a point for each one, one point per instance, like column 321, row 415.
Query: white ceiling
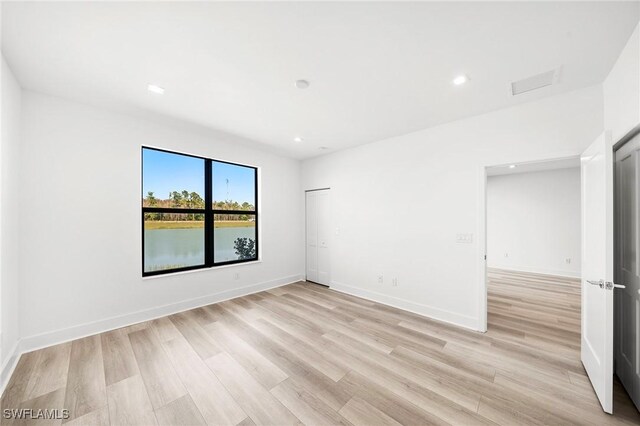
column 376, row 69
column 537, row 166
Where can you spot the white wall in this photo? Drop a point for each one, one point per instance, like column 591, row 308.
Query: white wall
column 80, row 253
column 400, row 203
column 622, row 90
column 9, row 193
column 533, row 222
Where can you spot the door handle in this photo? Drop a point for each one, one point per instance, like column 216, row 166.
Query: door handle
column 599, row 283
column 606, row 284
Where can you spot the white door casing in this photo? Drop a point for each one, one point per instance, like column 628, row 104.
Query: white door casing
column 597, row 267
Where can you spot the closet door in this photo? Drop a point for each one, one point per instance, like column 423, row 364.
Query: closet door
column 312, row 236
column 318, row 236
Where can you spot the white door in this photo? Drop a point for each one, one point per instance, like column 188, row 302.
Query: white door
column 597, row 269
column 627, row 300
column 318, row 236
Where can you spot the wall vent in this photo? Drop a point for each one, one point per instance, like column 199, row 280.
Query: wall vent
column 534, row 82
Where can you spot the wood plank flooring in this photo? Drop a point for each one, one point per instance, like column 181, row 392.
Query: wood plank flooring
column 303, row 354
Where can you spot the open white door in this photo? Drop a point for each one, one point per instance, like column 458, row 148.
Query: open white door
column 597, row 269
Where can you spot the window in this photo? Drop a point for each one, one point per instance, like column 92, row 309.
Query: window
column 196, row 212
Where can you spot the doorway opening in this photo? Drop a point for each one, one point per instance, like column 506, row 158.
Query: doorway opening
column 533, row 251
column 532, row 274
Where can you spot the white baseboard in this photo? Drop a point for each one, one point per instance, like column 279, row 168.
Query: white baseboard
column 556, row 272
column 39, row 341
column 454, row 318
column 6, row 370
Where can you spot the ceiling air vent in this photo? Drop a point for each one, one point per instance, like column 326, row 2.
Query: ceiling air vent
column 535, row 82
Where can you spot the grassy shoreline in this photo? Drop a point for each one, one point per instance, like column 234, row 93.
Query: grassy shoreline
column 193, row 224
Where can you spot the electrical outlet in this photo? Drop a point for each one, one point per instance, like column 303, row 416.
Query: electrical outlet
column 506, row 255
column 567, row 260
column 236, row 276
column 380, row 279
column 394, row 282
column 464, row 238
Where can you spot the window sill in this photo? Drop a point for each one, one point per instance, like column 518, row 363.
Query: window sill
column 193, row 271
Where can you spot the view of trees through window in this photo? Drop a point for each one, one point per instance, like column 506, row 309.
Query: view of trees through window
column 176, row 216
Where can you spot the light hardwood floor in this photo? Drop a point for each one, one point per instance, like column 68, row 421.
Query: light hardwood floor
column 305, row 354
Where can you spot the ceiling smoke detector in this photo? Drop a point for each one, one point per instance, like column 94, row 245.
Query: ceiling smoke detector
column 302, row 84
column 535, row 82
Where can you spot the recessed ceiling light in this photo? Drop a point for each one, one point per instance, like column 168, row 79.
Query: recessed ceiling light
column 513, row 166
column 302, row 84
column 461, row 79
column 155, row 89
column 298, row 139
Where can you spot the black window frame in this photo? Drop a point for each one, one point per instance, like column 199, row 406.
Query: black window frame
column 208, row 211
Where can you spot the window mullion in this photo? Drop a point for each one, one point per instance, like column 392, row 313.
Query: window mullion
column 208, row 217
